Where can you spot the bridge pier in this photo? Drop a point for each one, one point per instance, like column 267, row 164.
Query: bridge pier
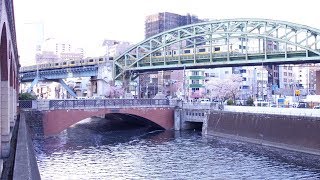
column 186, row 119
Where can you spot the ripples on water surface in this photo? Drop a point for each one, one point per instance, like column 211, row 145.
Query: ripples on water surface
column 81, row 153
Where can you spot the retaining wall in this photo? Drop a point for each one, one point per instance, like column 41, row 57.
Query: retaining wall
column 298, row 133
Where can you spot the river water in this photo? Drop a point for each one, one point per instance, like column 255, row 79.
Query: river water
column 89, row 151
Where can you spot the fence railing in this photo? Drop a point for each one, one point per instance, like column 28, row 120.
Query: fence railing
column 100, row 103
column 28, row 104
column 206, row 105
column 273, row 110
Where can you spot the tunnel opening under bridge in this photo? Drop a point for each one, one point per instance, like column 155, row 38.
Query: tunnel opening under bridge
column 118, row 122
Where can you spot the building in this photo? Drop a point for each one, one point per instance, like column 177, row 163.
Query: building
column 9, row 71
column 164, row 82
column 115, row 48
column 160, row 22
column 52, row 50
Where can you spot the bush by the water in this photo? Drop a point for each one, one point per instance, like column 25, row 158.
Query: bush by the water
column 250, row 102
column 27, row 96
column 230, row 102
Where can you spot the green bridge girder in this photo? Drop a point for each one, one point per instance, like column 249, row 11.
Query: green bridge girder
column 300, row 45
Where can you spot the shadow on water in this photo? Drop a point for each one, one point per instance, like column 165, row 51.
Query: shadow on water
column 94, row 132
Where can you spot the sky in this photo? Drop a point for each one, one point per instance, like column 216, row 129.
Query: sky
column 86, row 23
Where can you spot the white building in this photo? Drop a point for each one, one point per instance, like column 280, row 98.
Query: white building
column 54, row 50
column 115, row 48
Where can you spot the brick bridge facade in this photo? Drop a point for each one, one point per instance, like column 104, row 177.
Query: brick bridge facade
column 58, row 115
column 55, row 121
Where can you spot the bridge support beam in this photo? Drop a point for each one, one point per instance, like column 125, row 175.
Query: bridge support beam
column 34, row 82
column 70, row 91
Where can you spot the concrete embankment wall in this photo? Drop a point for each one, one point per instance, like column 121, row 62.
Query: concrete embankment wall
column 25, row 165
column 296, row 133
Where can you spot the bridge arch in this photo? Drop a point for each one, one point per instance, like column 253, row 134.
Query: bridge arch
column 292, row 36
column 55, row 121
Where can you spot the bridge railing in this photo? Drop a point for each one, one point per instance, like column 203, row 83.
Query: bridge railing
column 28, row 104
column 93, row 103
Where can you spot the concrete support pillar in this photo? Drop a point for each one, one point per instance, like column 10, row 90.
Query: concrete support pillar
column 89, row 88
column 5, row 118
column 205, row 124
column 177, row 119
column 12, row 107
column 101, row 87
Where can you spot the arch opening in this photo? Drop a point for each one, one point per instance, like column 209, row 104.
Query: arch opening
column 118, row 122
column 4, row 54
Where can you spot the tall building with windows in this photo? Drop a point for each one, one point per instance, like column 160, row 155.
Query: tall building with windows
column 160, row 22
column 155, row 24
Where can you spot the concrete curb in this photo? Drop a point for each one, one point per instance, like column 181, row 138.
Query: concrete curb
column 25, row 165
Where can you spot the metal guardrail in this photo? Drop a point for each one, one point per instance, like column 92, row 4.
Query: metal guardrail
column 100, row 103
column 274, row 110
column 27, row 104
column 206, row 105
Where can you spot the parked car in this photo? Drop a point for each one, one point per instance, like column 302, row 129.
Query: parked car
column 303, row 105
column 316, row 107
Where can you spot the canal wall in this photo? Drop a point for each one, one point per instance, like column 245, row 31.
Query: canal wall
column 298, row 133
column 25, row 163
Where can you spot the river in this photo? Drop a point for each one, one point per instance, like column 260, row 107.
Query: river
column 91, row 151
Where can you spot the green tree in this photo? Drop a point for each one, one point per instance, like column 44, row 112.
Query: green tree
column 230, row 102
column 27, row 96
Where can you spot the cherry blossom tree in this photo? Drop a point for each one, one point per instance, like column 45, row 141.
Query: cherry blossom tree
column 114, row 91
column 223, row 89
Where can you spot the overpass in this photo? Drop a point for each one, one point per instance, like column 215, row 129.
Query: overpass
column 199, row 46
column 218, row 43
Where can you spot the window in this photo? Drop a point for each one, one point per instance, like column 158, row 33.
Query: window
column 243, row 71
column 195, row 81
column 242, row 47
column 187, row 51
column 285, row 80
column 245, row 87
column 244, row 79
column 226, row 72
column 195, row 73
column 217, row 49
column 202, row 50
column 285, row 73
column 194, row 89
column 290, row 74
column 290, row 67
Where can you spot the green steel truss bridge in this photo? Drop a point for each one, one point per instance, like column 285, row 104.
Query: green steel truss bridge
column 222, row 43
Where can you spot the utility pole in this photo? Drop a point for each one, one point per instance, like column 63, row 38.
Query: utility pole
column 184, row 82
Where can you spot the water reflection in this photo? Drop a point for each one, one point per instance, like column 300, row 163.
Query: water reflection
column 88, row 152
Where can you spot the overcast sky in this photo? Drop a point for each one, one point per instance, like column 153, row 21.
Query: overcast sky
column 85, row 23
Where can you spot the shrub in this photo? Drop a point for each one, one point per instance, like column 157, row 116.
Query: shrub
column 27, row 96
column 230, row 102
column 250, row 102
